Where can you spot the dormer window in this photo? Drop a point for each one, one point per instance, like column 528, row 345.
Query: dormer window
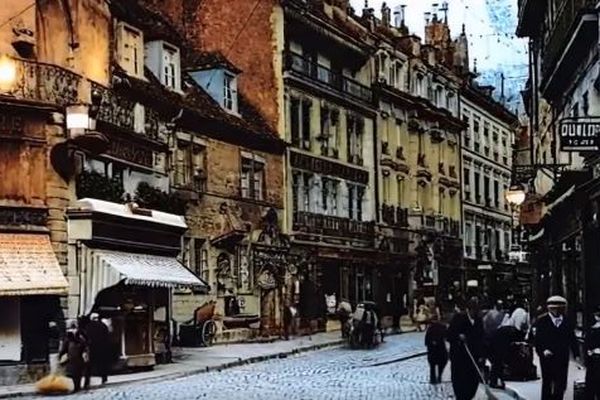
column 130, row 49
column 164, row 61
column 219, row 80
column 229, row 92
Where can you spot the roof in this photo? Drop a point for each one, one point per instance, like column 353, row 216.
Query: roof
column 125, row 211
column 28, row 266
column 207, row 60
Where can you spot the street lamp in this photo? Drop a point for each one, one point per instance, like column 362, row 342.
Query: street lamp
column 515, row 195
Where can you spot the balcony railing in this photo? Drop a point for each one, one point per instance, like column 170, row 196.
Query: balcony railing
column 310, row 69
column 42, row 83
column 555, row 42
column 443, row 225
column 332, row 226
column 394, row 216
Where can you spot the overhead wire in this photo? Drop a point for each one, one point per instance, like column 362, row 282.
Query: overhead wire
column 17, row 15
column 235, row 39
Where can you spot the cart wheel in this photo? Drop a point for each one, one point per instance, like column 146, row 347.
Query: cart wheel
column 209, row 330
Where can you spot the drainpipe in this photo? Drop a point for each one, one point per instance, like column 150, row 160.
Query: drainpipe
column 460, row 174
column 376, row 167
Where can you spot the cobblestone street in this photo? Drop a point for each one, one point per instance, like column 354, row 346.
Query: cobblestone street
column 331, row 374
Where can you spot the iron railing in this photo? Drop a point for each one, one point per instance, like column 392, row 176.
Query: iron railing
column 42, row 83
column 313, row 70
column 332, row 226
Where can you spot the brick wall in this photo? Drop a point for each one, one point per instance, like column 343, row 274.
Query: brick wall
column 213, row 25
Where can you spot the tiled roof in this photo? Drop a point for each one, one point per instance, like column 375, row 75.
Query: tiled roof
column 28, row 266
column 204, row 60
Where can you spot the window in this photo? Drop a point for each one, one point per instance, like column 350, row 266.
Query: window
column 355, row 200
column 329, row 134
column 477, row 188
column 585, row 107
column 386, row 186
column 438, row 96
column 329, row 196
column 468, row 235
column 476, row 125
column 496, row 194
column 506, row 242
column 300, row 122
column 575, row 110
column 486, row 130
column 486, row 190
column 228, row 91
column 400, row 190
column 252, row 177
column 189, row 165
column 355, row 130
column 130, row 49
column 467, row 183
column 170, row 65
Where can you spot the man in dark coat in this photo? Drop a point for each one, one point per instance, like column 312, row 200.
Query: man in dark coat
column 553, row 338
column 437, row 354
column 99, row 344
column 592, row 348
column 465, row 335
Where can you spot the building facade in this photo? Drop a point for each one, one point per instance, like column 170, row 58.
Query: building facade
column 487, row 171
column 561, row 96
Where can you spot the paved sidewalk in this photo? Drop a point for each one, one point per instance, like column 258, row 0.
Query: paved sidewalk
column 532, row 390
column 189, row 361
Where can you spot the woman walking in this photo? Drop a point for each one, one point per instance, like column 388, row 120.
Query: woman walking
column 74, row 354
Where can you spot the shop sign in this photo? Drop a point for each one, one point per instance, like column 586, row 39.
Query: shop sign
column 580, row 134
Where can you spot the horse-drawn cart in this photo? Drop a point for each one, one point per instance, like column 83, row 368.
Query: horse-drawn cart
column 201, row 329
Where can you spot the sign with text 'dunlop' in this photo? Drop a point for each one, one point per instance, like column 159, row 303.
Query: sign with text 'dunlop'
column 579, row 134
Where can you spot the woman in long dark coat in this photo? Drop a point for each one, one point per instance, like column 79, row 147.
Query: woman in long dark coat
column 465, row 330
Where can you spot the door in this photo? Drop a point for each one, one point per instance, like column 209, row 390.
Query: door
column 10, row 329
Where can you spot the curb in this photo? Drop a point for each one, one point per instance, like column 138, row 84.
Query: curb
column 196, row 371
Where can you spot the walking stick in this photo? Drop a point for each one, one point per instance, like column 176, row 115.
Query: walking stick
column 488, row 392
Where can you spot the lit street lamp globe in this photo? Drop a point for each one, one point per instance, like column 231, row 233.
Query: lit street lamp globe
column 8, row 72
column 515, row 195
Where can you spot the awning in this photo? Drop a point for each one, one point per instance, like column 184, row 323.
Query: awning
column 28, row 266
column 109, row 268
column 149, row 270
column 560, row 199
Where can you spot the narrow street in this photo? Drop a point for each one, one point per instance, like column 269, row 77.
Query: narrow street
column 331, row 374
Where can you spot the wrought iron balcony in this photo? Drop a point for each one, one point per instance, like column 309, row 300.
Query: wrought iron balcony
column 332, row 226
column 561, row 32
column 324, row 75
column 394, row 216
column 43, row 84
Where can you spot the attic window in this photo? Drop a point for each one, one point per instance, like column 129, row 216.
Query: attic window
column 130, row 49
column 229, row 92
column 170, row 67
column 163, row 60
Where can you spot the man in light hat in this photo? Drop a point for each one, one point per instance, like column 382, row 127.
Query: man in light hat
column 554, row 337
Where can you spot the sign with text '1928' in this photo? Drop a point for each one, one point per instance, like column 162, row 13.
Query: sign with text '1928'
column 580, row 134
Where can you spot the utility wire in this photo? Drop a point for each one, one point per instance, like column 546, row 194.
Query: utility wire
column 235, row 39
column 23, row 11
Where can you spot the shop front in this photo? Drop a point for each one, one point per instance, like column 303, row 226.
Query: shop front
column 31, row 282
column 125, row 262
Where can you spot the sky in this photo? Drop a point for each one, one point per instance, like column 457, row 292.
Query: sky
column 490, row 27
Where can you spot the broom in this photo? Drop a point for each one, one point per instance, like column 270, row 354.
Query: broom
column 488, row 391
column 55, row 383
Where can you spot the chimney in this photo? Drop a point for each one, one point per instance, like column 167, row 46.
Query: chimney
column 400, row 16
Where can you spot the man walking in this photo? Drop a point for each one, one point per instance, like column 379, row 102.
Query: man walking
column 554, row 336
column 100, row 351
column 465, row 335
column 491, row 322
column 592, row 347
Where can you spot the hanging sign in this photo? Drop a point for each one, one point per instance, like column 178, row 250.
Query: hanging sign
column 579, row 134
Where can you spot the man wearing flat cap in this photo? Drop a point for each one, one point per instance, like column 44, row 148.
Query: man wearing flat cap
column 554, row 337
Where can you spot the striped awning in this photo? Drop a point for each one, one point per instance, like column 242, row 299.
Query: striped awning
column 28, row 266
column 149, row 270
